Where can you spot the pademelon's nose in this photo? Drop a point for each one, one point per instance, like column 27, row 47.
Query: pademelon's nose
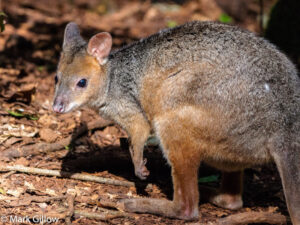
column 58, row 105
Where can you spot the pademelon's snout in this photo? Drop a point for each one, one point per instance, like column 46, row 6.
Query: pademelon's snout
column 60, row 104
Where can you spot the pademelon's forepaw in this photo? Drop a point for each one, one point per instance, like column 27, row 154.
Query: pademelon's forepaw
column 141, row 171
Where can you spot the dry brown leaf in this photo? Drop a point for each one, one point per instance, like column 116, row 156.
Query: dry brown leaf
column 272, row 209
column 10, row 141
column 49, row 135
column 46, row 120
column 25, row 95
column 22, row 161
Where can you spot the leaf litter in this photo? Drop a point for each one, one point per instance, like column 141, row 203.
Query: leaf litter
column 30, row 46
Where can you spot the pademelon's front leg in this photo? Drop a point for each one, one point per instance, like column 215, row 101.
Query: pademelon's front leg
column 138, row 130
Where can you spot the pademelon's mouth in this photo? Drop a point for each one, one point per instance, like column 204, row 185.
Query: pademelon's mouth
column 65, row 108
column 71, row 107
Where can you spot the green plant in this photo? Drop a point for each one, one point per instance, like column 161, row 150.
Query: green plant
column 208, row 179
column 19, row 114
column 2, row 21
column 171, row 23
column 224, row 18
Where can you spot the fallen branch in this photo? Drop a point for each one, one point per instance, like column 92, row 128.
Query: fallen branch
column 100, row 215
column 64, row 174
column 252, row 217
column 44, row 147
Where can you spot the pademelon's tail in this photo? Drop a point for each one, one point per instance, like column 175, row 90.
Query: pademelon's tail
column 287, row 159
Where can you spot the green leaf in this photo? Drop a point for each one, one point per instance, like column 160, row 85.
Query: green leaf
column 32, row 117
column 15, row 114
column 67, row 147
column 41, row 68
column 208, row 179
column 171, row 23
column 225, row 18
column 2, row 25
column 19, row 114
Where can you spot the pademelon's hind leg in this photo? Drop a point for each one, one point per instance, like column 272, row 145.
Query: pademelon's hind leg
column 287, row 160
column 182, row 153
column 229, row 195
column 185, row 200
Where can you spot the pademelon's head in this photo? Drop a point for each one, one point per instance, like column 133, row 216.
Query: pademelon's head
column 80, row 75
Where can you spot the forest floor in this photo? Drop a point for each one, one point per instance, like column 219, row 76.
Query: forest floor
column 32, row 135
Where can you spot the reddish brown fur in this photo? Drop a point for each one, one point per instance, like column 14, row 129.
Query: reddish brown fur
column 81, row 66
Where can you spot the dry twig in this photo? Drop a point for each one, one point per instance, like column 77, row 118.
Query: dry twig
column 252, row 217
column 100, row 216
column 76, row 176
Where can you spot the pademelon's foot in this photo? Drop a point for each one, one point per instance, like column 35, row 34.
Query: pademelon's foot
column 224, row 200
column 158, row 207
column 227, row 201
column 141, row 171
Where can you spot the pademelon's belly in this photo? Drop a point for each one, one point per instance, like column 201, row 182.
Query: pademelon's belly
column 236, row 160
column 210, row 134
column 229, row 165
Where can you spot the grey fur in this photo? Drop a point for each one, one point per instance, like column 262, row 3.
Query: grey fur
column 72, row 39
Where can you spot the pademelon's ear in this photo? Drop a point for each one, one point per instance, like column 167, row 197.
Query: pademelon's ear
column 72, row 38
column 99, row 46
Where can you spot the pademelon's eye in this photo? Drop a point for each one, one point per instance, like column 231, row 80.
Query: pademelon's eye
column 82, row 83
column 56, row 79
